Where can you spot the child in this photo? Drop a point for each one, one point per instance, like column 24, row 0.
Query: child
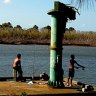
column 17, row 67
column 71, row 69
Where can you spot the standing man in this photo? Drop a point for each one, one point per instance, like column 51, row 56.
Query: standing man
column 71, row 69
column 17, row 68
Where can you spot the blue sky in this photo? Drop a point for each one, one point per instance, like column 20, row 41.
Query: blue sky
column 28, row 13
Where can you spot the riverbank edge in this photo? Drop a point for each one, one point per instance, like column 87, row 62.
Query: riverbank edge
column 41, row 88
column 20, row 43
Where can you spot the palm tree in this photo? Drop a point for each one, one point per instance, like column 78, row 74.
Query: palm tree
column 83, row 3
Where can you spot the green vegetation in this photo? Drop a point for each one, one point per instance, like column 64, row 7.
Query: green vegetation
column 18, row 35
column 80, row 38
column 23, row 94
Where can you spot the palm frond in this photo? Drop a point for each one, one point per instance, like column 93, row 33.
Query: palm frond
column 83, row 3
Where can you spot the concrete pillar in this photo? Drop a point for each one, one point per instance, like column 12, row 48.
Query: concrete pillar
column 53, row 49
column 59, row 17
column 58, row 24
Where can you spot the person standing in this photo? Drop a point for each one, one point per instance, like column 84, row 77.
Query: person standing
column 71, row 69
column 17, row 69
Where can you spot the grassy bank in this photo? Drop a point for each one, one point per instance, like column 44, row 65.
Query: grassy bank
column 80, row 38
column 24, row 37
column 31, row 36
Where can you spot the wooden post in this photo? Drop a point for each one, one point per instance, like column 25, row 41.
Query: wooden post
column 14, row 75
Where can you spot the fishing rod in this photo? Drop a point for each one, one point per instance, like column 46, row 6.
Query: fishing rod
column 83, row 68
column 33, row 71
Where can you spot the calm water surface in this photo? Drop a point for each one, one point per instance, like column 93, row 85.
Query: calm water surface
column 35, row 60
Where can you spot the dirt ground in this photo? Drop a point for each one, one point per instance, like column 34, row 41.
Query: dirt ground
column 12, row 88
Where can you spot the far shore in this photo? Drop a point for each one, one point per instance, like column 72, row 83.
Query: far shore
column 20, row 43
column 42, row 36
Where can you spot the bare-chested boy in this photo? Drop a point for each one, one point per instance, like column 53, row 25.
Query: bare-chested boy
column 17, row 67
column 71, row 69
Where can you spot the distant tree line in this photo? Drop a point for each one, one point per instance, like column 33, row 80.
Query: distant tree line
column 36, row 35
column 8, row 26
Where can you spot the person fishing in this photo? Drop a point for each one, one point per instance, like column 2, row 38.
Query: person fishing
column 17, row 68
column 71, row 69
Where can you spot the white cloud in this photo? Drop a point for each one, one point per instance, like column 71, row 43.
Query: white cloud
column 7, row 1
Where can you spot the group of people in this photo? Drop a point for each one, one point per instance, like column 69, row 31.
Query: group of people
column 18, row 69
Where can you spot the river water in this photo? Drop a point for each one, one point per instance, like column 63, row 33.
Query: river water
column 36, row 59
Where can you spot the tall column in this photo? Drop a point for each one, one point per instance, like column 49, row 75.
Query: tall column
column 58, row 24
column 59, row 16
column 53, row 49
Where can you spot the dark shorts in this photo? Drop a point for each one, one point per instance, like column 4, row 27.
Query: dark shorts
column 71, row 73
